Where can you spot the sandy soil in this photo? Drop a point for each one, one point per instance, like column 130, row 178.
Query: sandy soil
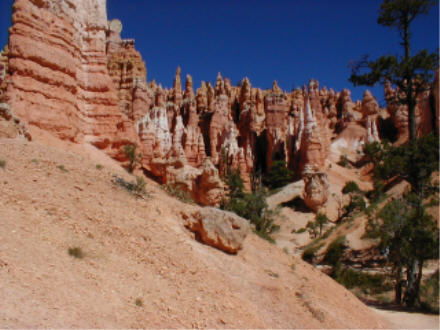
column 53, row 199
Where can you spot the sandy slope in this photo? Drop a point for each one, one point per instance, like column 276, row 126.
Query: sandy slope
column 138, row 248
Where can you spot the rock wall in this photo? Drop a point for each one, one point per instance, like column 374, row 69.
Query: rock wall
column 58, row 72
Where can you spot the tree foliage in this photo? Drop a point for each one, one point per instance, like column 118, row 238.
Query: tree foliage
column 133, row 157
column 278, row 176
column 411, row 74
column 251, row 206
column 408, row 235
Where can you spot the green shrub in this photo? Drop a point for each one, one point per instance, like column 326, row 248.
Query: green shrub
column 177, row 192
column 344, row 162
column 76, row 252
column 130, row 153
column 350, row 187
column 301, row 230
column 429, row 293
column 251, row 206
column 278, row 176
column 309, row 253
column 62, row 168
column 368, row 283
column 137, row 188
column 99, row 167
column 334, row 252
column 2, row 163
column 138, row 302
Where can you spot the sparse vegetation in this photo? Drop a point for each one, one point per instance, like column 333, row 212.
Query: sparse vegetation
column 136, row 188
column 62, row 168
column 315, row 227
column 35, row 161
column 271, row 273
column 357, row 202
column 178, row 192
column 344, row 162
column 334, row 252
column 76, row 252
column 99, row 167
column 368, row 283
column 309, row 253
column 133, row 157
column 2, row 163
column 138, row 302
column 429, row 293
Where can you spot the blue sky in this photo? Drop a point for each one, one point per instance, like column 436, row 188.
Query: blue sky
column 289, row 41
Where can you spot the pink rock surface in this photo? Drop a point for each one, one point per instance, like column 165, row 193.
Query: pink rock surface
column 59, row 80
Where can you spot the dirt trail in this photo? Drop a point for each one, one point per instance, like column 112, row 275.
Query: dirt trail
column 404, row 320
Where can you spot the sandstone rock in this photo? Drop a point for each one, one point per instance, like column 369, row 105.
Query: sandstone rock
column 311, row 146
column 209, row 188
column 59, row 80
column 221, row 229
column 316, row 188
column 370, row 107
column 10, row 125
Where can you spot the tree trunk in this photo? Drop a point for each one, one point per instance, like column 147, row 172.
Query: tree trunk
column 398, row 286
column 412, row 292
column 412, row 124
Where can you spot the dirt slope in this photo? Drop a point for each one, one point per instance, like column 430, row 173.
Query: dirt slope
column 53, row 199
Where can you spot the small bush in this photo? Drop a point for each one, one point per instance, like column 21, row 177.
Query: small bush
column 301, row 230
column 368, row 283
column 2, row 163
column 271, row 273
column 133, row 157
column 429, row 293
column 139, row 302
column 351, row 187
column 309, row 253
column 62, row 168
column 328, row 232
column 178, row 193
column 99, row 167
column 34, row 161
column 344, row 162
column 76, row 252
column 137, row 188
column 334, row 252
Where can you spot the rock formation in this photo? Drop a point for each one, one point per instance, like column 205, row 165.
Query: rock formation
column 10, row 125
column 68, row 70
column 223, row 230
column 58, row 73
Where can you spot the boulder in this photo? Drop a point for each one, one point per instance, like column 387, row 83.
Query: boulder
column 223, row 230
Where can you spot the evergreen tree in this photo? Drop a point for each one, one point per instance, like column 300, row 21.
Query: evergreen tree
column 411, row 74
column 278, row 176
column 407, row 233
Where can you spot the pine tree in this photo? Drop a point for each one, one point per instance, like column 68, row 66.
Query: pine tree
column 411, row 74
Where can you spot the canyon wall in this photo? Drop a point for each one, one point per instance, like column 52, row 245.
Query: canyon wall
column 68, row 70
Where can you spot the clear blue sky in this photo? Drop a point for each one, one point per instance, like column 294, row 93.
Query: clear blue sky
column 287, row 40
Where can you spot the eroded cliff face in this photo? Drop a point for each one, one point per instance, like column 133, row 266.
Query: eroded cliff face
column 67, row 70
column 57, row 72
